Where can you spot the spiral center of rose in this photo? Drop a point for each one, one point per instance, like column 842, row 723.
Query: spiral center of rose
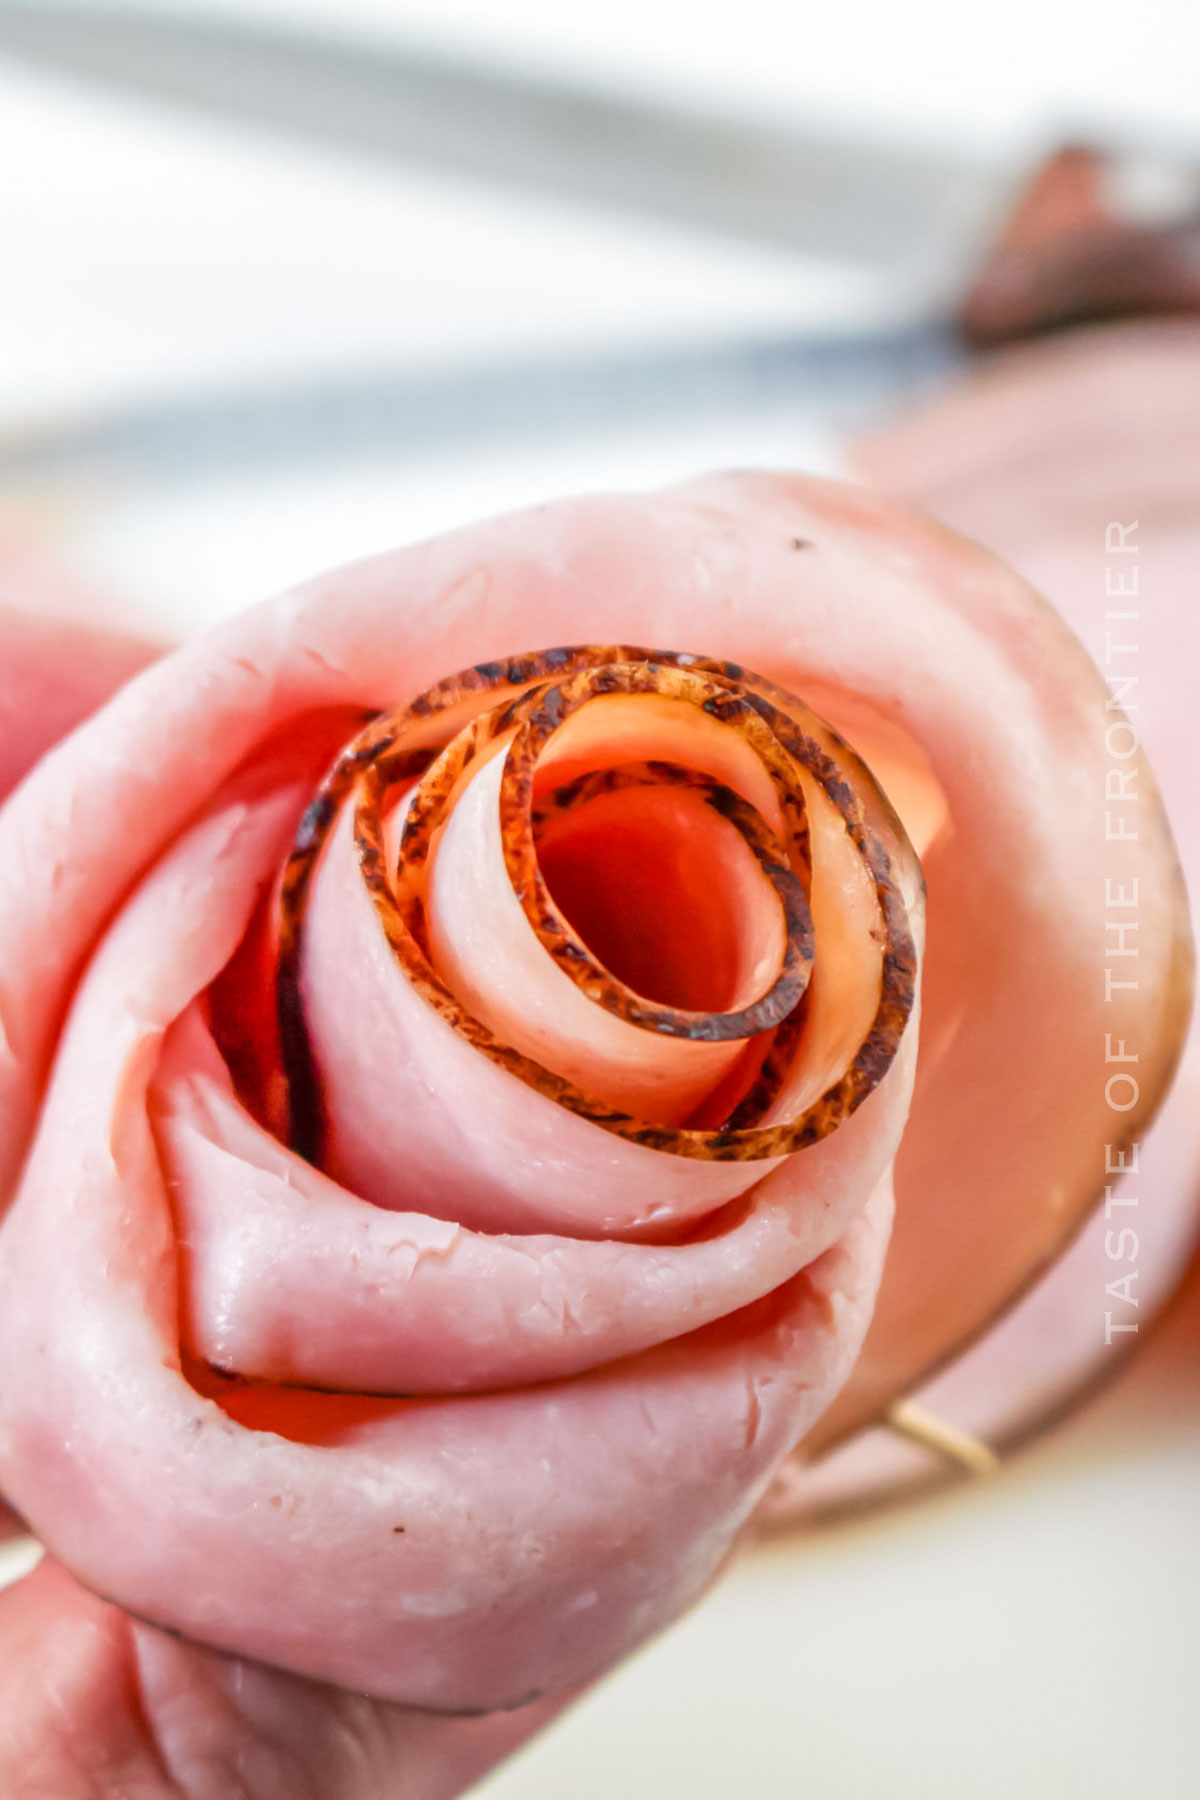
column 665, row 893
column 608, row 869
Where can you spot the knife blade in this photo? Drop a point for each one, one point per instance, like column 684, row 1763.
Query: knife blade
column 920, row 217
column 996, row 249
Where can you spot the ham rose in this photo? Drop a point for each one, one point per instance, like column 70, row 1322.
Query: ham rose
column 452, row 1120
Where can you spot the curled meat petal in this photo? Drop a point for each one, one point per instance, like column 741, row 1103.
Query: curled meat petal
column 524, row 1163
column 459, row 1553
column 426, row 1306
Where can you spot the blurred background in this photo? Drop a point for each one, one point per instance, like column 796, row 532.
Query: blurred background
column 230, row 355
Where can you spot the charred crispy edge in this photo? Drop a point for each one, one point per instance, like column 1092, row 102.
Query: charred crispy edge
column 789, row 876
column 521, row 716
column 304, row 1102
column 779, row 1050
column 816, row 746
column 377, row 741
column 899, row 962
column 380, row 758
column 789, row 873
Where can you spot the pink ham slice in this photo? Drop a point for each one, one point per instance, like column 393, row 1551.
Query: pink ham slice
column 1035, row 456
column 53, row 673
column 46, row 685
column 425, row 1306
column 461, row 1553
column 469, row 1547
column 92, row 1695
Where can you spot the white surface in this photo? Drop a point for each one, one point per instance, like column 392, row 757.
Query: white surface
column 1038, row 1639
column 927, row 68
column 151, row 252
